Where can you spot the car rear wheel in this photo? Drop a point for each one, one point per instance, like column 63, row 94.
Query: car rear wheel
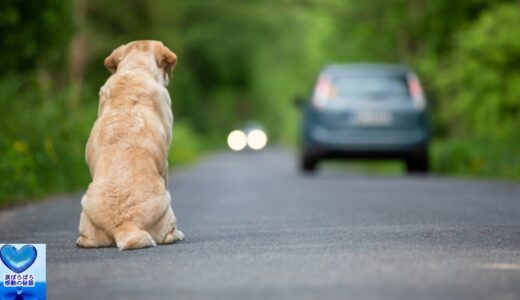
column 418, row 163
column 308, row 164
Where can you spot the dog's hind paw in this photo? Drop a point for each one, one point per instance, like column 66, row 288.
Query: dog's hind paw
column 178, row 235
column 174, row 236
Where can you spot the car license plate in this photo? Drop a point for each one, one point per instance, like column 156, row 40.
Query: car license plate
column 372, row 118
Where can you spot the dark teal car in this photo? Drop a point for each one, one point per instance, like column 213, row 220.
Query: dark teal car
column 366, row 111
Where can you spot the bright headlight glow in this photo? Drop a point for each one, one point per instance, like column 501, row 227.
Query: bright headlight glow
column 237, row 140
column 256, row 139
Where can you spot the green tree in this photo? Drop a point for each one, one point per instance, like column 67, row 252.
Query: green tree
column 481, row 84
column 32, row 34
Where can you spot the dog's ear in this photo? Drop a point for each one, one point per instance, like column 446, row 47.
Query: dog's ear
column 115, row 58
column 165, row 59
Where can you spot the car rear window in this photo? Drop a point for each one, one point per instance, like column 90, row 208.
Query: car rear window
column 370, row 87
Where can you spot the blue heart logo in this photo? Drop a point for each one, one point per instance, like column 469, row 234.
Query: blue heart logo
column 18, row 260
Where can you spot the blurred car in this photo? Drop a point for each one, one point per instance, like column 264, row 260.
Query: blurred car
column 366, row 111
column 251, row 135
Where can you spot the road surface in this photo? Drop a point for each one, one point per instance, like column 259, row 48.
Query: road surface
column 256, row 229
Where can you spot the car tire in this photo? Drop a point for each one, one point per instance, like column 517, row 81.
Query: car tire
column 308, row 164
column 418, row 163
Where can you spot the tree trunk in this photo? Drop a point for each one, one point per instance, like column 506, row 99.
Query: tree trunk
column 78, row 49
column 408, row 45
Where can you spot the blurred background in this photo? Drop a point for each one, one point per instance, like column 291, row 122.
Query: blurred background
column 248, row 60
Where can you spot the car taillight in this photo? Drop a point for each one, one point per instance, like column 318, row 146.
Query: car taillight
column 416, row 92
column 322, row 91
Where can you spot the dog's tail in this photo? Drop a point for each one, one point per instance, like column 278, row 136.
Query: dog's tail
column 128, row 236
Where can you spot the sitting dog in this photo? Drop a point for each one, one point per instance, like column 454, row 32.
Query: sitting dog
column 128, row 203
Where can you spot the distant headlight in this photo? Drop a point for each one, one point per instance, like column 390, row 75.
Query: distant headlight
column 237, row 140
column 256, row 139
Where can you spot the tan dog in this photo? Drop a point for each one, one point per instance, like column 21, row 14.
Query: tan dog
column 127, row 203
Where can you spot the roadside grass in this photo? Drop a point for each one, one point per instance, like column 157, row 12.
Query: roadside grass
column 376, row 167
column 461, row 158
column 477, row 158
column 43, row 137
column 42, row 140
column 185, row 147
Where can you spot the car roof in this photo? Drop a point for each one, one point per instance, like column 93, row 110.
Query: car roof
column 367, row 69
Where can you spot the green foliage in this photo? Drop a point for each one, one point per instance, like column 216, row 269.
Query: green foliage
column 185, row 146
column 238, row 60
column 480, row 85
column 42, row 141
column 32, row 33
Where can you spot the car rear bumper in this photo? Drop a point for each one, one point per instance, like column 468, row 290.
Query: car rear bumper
column 365, row 143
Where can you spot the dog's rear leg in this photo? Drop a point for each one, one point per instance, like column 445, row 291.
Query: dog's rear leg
column 165, row 231
column 128, row 236
column 90, row 236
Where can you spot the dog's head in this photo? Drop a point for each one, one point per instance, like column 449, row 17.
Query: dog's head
column 162, row 58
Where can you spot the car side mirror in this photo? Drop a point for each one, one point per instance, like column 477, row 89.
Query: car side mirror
column 299, row 102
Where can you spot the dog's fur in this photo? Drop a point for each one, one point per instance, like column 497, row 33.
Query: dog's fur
column 128, row 204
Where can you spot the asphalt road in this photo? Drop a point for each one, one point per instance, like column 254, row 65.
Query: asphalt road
column 256, row 229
